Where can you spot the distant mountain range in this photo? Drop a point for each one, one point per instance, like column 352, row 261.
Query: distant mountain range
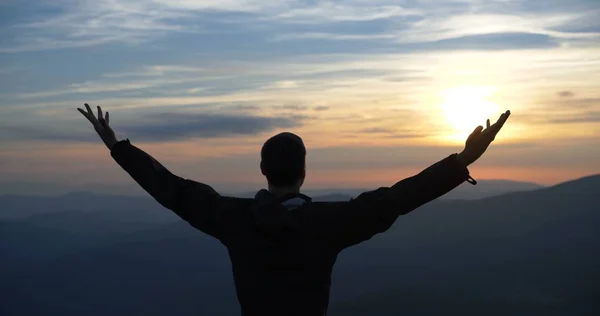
column 533, row 252
column 483, row 189
column 22, row 206
column 141, row 208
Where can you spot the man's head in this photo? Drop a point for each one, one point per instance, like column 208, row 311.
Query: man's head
column 283, row 161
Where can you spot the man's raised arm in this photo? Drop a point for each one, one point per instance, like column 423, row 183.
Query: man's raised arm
column 192, row 201
column 348, row 223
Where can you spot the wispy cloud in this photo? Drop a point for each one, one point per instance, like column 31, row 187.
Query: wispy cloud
column 573, row 103
column 444, row 20
column 377, row 130
column 356, row 82
column 81, row 23
column 159, row 127
column 585, row 117
column 98, row 86
column 168, row 126
column 393, row 133
column 566, row 94
column 338, row 11
column 333, row 36
column 292, row 107
column 453, row 26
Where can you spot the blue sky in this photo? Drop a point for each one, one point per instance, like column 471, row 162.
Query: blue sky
column 200, row 82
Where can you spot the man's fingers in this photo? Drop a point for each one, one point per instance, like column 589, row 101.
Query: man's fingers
column 99, row 113
column 85, row 114
column 89, row 110
column 487, row 123
column 106, row 118
column 476, row 132
column 91, row 116
column 502, row 120
column 498, row 125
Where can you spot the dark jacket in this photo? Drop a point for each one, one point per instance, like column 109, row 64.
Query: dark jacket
column 283, row 250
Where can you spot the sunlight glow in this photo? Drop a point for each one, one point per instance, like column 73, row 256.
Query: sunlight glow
column 466, row 107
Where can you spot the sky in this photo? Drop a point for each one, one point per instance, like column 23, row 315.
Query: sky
column 378, row 89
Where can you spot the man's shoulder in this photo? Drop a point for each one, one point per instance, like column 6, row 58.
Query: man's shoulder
column 234, row 203
column 322, row 205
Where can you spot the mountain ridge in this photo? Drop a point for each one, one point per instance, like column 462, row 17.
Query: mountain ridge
column 517, row 253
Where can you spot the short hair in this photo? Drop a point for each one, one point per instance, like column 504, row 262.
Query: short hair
column 283, row 159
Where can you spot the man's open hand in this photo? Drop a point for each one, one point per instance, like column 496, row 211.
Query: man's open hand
column 100, row 125
column 480, row 139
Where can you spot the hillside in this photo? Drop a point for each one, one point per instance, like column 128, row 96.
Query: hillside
column 524, row 253
column 527, row 253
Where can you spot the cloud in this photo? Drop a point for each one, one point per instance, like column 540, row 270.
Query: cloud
column 393, row 134
column 349, row 84
column 293, row 107
column 167, row 126
column 321, row 108
column 82, row 23
column 158, row 127
column 243, row 107
column 100, row 86
column 566, row 94
column 338, row 11
column 282, row 85
column 586, row 117
column 157, row 70
column 494, row 41
column 569, row 101
column 341, row 79
column 331, row 36
column 435, row 27
column 28, row 132
column 407, row 135
column 377, row 130
column 143, row 78
column 436, row 21
column 557, row 117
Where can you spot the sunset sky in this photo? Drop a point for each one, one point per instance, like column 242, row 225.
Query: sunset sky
column 378, row 89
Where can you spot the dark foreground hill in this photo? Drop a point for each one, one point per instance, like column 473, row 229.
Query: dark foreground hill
column 525, row 253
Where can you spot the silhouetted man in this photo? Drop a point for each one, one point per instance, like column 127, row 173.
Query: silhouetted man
column 282, row 245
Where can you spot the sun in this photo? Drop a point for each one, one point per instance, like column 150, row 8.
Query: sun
column 466, row 107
